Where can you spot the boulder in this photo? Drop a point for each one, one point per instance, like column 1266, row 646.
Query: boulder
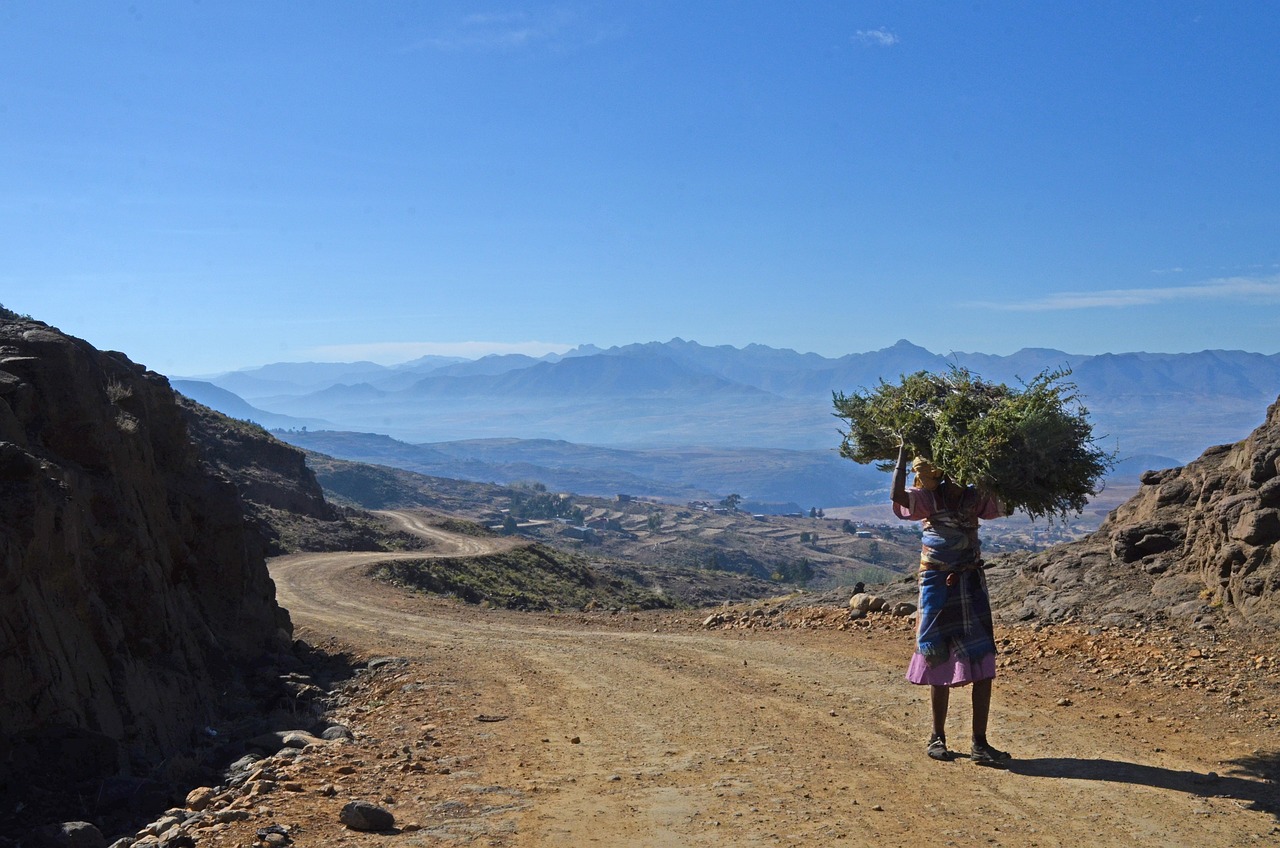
column 67, row 835
column 361, row 815
column 335, row 732
column 866, row 602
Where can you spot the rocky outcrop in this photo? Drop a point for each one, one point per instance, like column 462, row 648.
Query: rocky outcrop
column 281, row 495
column 266, row 471
column 132, row 588
column 1200, row 541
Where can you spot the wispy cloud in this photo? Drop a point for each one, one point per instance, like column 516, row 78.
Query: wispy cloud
column 504, row 31
column 1224, row 289
column 390, row 353
column 876, row 37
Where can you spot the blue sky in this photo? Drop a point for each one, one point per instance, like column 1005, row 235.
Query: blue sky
column 208, row 186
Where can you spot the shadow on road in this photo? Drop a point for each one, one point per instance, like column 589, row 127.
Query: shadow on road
column 1251, row 780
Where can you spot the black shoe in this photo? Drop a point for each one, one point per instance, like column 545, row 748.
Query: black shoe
column 985, row 755
column 937, row 748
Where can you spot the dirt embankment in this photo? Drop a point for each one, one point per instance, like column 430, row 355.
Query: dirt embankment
column 514, row 729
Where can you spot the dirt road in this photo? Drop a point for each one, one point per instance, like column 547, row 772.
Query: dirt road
column 649, row 730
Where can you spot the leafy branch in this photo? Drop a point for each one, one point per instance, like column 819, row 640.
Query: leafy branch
column 1033, row 447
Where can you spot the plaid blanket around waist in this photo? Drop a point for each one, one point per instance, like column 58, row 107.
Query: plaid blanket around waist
column 956, row 619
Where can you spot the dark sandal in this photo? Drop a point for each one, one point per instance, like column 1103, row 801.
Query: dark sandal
column 937, row 748
column 985, row 755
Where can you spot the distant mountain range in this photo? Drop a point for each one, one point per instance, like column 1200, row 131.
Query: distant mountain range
column 645, row 399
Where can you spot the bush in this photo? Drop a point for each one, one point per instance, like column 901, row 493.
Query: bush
column 1032, row 447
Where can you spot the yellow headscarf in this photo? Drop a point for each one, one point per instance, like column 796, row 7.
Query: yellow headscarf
column 918, row 463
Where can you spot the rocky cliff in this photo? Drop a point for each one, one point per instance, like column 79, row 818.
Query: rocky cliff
column 133, row 590
column 281, row 495
column 1199, row 542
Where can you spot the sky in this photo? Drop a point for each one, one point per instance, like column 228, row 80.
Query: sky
column 209, row 186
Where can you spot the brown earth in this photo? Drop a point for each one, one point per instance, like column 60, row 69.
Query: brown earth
column 786, row 726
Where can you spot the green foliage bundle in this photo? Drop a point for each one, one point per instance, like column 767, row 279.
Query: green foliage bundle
column 1032, row 447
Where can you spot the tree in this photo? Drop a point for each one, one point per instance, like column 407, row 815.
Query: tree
column 655, row 520
column 731, row 502
column 794, row 572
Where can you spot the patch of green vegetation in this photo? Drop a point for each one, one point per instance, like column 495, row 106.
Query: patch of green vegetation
column 794, row 572
column 463, row 527
column 534, row 577
column 844, row 577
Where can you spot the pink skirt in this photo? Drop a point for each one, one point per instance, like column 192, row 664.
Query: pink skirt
column 954, row 671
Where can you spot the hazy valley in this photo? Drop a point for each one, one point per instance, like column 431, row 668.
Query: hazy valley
column 680, row 421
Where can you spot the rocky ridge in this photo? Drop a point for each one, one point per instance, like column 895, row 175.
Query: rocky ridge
column 1200, row 543
column 279, row 490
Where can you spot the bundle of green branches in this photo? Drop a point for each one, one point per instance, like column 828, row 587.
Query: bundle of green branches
column 1032, row 447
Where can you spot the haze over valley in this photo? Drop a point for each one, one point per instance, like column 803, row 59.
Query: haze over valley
column 680, row 420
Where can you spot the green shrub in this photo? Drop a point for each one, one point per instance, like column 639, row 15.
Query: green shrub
column 1032, row 447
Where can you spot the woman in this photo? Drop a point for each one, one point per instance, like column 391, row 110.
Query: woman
column 955, row 639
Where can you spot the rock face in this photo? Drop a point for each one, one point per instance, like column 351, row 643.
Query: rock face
column 1201, row 540
column 132, row 588
column 280, row 493
column 266, row 471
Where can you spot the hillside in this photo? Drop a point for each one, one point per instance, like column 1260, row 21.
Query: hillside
column 279, row 491
column 691, row 555
column 231, row 404
column 137, row 607
column 1199, row 543
column 770, row 480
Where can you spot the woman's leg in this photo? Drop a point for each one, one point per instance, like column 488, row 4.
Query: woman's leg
column 939, row 698
column 983, row 752
column 981, row 708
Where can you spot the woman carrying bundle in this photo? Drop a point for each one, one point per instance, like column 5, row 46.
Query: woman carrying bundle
column 955, row 639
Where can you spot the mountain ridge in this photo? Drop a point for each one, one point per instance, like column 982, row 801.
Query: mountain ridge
column 682, row 393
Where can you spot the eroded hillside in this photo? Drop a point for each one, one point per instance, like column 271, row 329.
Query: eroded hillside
column 1199, row 542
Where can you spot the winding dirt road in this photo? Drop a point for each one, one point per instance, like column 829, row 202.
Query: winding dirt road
column 648, row 730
